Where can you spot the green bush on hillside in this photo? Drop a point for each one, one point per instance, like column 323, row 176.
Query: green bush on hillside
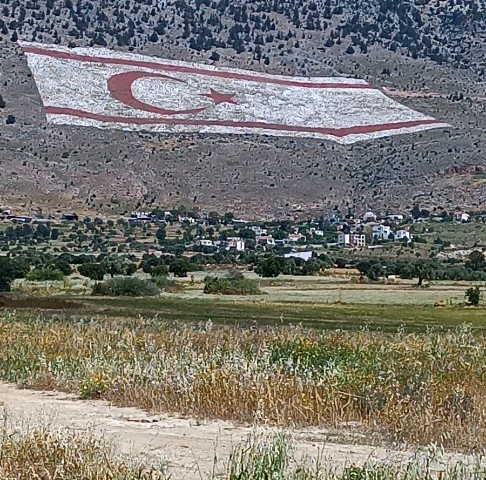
column 473, row 295
column 45, row 274
column 94, row 271
column 126, row 287
column 167, row 285
column 231, row 286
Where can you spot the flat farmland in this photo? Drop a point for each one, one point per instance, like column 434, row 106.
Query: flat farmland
column 229, row 311
column 339, row 287
column 318, row 302
column 386, row 294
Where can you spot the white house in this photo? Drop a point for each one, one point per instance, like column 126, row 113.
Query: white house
column 295, row 237
column 316, row 232
column 381, row 231
column 265, row 240
column 356, row 240
column 204, row 243
column 235, row 243
column 140, row 217
column 369, row 217
column 303, row 255
column 395, row 217
column 461, row 217
column 402, row 234
column 259, row 231
column 186, row 219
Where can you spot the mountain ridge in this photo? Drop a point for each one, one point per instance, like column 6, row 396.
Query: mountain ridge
column 53, row 167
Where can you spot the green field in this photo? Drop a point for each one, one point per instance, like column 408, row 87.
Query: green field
column 319, row 302
column 320, row 316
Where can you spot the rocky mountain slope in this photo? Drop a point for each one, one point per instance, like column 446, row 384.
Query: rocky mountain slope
column 428, row 54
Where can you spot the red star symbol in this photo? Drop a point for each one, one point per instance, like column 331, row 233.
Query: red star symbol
column 218, row 97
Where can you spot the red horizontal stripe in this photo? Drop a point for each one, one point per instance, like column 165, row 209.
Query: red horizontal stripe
column 336, row 132
column 63, row 55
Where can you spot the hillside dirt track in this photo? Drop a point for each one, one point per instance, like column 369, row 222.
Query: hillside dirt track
column 422, row 94
column 187, row 446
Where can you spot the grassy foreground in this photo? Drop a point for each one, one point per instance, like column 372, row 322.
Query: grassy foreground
column 418, row 388
column 41, row 454
column 46, row 455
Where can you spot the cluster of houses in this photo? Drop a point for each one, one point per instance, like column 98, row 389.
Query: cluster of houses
column 366, row 231
column 232, row 243
column 262, row 239
column 353, row 233
column 352, row 238
column 349, row 233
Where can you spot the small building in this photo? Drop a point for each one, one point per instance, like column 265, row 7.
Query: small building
column 355, row 240
column 381, row 231
column 70, row 217
column 259, row 231
column 303, row 255
column 369, row 217
column 138, row 214
column 266, row 240
column 315, row 232
column 139, row 218
column 461, row 217
column 395, row 217
column 235, row 243
column 19, row 219
column 186, row 219
column 402, row 235
column 295, row 237
column 204, row 243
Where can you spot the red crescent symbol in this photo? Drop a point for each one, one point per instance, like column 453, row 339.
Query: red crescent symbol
column 120, row 87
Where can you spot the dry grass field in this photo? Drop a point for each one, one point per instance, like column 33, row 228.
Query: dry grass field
column 40, row 453
column 49, row 453
column 416, row 388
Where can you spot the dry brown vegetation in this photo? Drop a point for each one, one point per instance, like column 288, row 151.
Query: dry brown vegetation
column 45, row 454
column 417, row 388
column 41, row 454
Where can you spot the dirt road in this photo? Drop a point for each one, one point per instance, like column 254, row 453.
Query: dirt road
column 187, row 446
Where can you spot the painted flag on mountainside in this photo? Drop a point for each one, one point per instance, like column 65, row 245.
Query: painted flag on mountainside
column 106, row 89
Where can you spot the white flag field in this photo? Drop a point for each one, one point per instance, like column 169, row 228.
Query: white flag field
column 101, row 88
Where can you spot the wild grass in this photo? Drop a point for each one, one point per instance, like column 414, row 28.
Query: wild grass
column 47, row 454
column 273, row 457
column 415, row 388
column 43, row 454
